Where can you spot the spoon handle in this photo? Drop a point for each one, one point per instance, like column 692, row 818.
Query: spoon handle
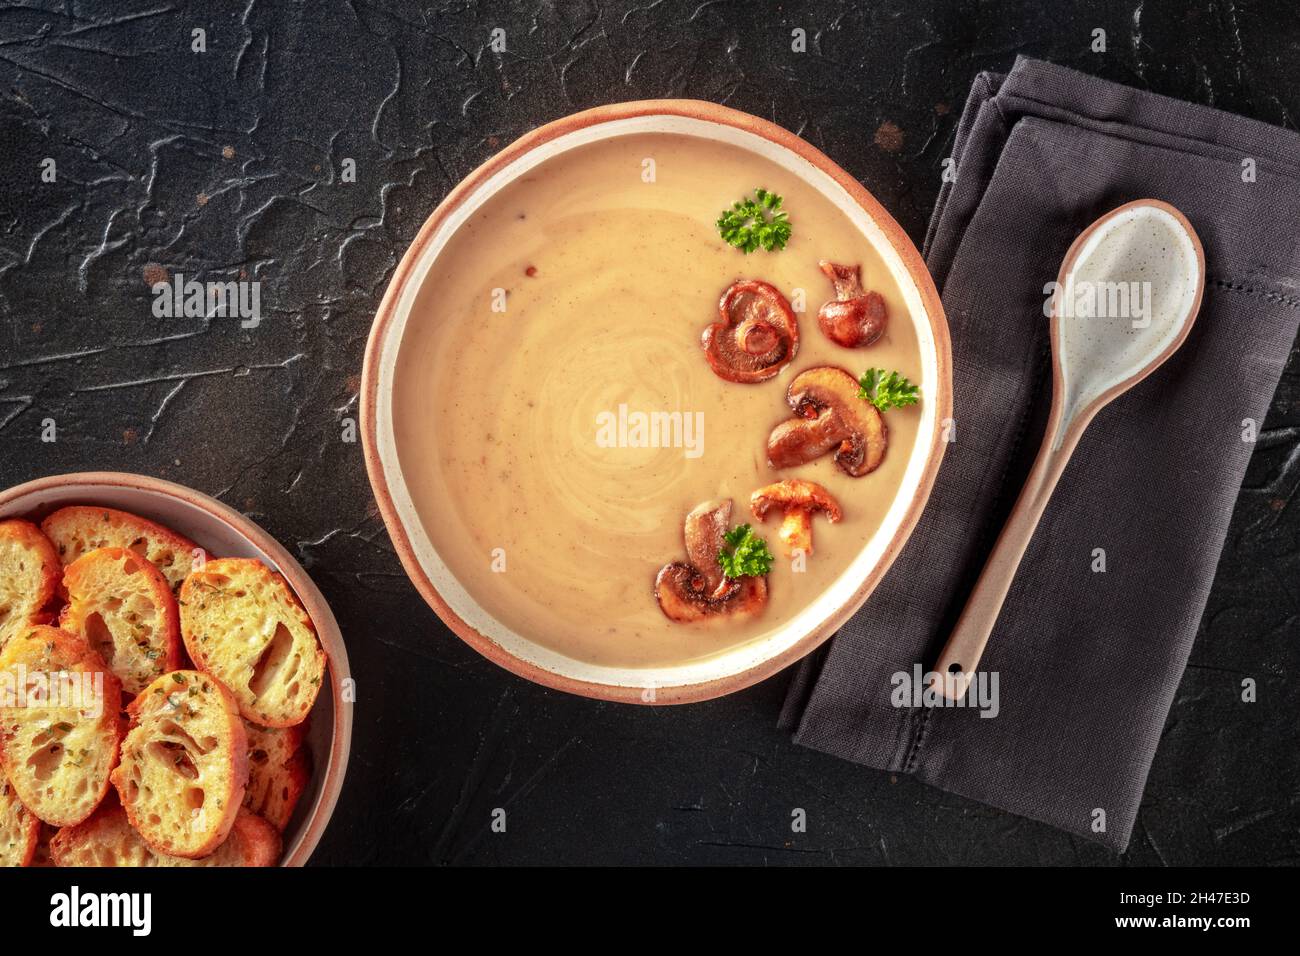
column 961, row 655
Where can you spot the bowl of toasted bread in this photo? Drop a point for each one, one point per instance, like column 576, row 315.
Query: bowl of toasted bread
column 174, row 690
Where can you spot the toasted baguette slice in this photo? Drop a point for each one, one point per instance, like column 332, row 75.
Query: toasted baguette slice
column 78, row 529
column 60, row 730
column 241, row 622
column 42, row 855
column 278, row 772
column 124, row 608
column 29, row 574
column 108, row 839
column 20, row 830
column 184, row 764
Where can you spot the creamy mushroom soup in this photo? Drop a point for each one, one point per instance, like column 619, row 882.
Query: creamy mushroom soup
column 556, row 418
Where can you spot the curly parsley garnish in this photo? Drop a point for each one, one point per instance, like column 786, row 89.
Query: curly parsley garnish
column 886, row 391
column 753, row 223
column 747, row 556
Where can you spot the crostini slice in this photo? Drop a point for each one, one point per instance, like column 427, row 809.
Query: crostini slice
column 29, row 576
column 124, row 608
column 241, row 622
column 20, row 830
column 42, row 856
column 108, row 839
column 60, row 723
column 184, row 764
column 279, row 769
column 77, row 529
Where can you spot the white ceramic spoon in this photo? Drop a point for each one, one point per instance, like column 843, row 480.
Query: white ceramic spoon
column 1144, row 247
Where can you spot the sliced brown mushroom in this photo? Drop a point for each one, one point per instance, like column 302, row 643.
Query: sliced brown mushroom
column 797, row 500
column 756, row 336
column 831, row 417
column 854, row 318
column 698, row 589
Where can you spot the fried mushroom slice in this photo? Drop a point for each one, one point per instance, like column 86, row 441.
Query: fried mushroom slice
column 855, row 318
column 698, row 590
column 830, row 416
column 756, row 335
column 796, row 500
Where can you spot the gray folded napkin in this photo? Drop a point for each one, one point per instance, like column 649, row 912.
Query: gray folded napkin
column 1087, row 660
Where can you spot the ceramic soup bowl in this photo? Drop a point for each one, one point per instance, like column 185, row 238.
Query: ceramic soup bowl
column 739, row 666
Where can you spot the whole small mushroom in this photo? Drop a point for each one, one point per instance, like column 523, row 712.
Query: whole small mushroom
column 855, row 318
column 797, row 500
column 697, row 589
column 831, row 416
column 756, row 335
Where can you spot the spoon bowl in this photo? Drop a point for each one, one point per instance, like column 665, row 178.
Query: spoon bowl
column 1129, row 289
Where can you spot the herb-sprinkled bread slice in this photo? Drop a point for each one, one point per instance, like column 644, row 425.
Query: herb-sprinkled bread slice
column 108, row 839
column 81, row 528
column 279, row 770
column 184, row 764
column 123, row 606
column 29, row 574
column 60, row 732
column 242, row 623
column 20, row 830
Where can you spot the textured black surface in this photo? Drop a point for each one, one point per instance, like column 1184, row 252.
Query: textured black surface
column 227, row 162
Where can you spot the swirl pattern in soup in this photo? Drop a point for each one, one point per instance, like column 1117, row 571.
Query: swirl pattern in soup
column 574, row 299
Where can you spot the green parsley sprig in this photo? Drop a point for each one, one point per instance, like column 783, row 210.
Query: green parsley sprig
column 756, row 223
column 747, row 555
column 886, row 391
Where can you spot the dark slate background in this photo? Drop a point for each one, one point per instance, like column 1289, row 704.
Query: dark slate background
column 227, row 163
